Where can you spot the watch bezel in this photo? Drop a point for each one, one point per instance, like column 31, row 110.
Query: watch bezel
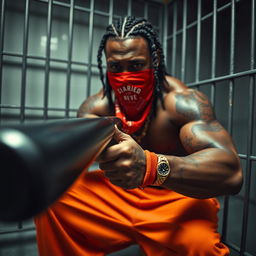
column 162, row 162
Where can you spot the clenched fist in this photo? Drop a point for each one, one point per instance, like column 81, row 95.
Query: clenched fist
column 125, row 162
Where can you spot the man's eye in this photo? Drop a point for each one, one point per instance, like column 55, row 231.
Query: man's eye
column 114, row 67
column 137, row 66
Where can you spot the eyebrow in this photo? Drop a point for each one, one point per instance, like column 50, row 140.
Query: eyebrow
column 130, row 61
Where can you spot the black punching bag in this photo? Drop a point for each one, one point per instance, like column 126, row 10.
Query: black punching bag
column 39, row 162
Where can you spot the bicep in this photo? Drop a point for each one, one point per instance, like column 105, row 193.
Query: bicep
column 200, row 135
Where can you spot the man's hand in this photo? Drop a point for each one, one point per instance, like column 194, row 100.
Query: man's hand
column 125, row 162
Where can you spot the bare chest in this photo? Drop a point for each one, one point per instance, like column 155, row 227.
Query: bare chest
column 163, row 136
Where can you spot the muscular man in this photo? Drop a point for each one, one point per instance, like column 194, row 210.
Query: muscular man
column 170, row 158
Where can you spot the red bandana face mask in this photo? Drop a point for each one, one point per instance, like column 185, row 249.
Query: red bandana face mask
column 134, row 97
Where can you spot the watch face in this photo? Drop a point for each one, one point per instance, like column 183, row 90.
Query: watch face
column 163, row 169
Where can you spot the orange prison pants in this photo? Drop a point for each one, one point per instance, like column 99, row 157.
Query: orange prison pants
column 96, row 217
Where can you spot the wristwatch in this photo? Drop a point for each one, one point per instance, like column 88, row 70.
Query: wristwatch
column 163, row 170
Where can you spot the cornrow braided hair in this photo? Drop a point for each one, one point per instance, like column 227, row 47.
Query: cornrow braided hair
column 129, row 27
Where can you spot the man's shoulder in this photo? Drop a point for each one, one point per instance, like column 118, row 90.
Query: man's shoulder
column 95, row 104
column 187, row 104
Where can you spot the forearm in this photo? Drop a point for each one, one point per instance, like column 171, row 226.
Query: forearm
column 207, row 173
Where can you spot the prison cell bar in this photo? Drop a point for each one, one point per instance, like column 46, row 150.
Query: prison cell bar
column 90, row 49
column 214, row 43
column 231, row 109
column 2, row 22
column 47, row 61
column 24, row 62
column 230, row 77
column 192, row 24
column 70, row 48
column 174, row 38
column 184, row 40
column 198, row 39
column 110, row 12
column 250, row 135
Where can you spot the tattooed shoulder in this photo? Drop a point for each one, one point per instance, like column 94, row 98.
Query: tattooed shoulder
column 90, row 104
column 193, row 105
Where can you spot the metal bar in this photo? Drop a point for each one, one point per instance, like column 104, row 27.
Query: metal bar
column 111, row 7
column 129, row 9
column 2, row 22
column 249, row 135
column 230, row 121
column 47, row 61
column 90, row 48
column 222, row 78
column 252, row 60
column 36, row 108
column 232, row 37
column 247, row 183
column 213, row 68
column 17, row 231
column 70, row 47
column 174, row 41
column 165, row 28
column 236, row 248
column 146, row 10
column 198, row 39
column 53, row 68
column 24, row 63
column 161, row 19
column 213, row 94
column 214, row 33
column 232, row 246
column 184, row 41
column 207, row 16
column 252, row 158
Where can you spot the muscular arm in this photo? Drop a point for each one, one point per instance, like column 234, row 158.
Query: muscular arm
column 212, row 166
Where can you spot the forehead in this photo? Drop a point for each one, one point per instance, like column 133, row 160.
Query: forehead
column 132, row 46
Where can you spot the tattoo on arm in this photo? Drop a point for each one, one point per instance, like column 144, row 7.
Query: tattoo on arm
column 193, row 159
column 208, row 127
column 193, row 105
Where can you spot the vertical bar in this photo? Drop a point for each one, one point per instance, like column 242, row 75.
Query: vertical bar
column 232, row 37
column 70, row 47
column 24, row 63
column 174, row 37
column 111, row 7
column 213, row 93
column 184, row 40
column 247, row 184
column 47, row 61
column 198, row 38
column 2, row 22
column 165, row 28
column 252, row 60
column 89, row 70
column 229, row 128
column 248, row 167
column 231, row 98
column 214, row 36
column 129, row 10
column 146, row 10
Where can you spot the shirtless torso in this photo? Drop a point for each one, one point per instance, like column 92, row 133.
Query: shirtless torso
column 202, row 156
